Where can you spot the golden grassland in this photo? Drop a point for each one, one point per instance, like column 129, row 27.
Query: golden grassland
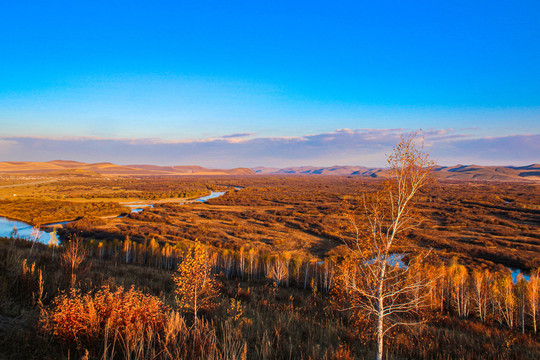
column 483, row 224
column 100, row 188
column 276, row 247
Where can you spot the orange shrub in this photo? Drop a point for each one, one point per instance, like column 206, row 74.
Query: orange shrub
column 73, row 317
column 130, row 311
column 76, row 317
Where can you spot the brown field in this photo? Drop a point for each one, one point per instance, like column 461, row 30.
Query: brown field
column 299, row 221
column 485, row 223
column 480, row 223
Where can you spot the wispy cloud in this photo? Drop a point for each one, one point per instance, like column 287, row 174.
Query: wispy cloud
column 237, row 135
column 341, row 147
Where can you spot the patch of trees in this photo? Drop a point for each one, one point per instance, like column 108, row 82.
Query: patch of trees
column 38, row 212
column 489, row 296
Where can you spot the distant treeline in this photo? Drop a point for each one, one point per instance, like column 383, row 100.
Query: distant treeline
column 146, row 189
column 39, row 212
column 146, row 195
column 492, row 297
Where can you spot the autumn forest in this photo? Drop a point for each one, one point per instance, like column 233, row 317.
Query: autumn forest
column 271, row 266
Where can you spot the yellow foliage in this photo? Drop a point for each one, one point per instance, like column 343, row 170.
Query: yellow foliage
column 196, row 287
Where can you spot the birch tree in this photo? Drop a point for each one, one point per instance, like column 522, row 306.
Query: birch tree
column 480, row 288
column 128, row 245
column 196, row 287
column 533, row 296
column 72, row 257
column 374, row 283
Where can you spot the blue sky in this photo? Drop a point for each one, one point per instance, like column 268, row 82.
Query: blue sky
column 143, row 74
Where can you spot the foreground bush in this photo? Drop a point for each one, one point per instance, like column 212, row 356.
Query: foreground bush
column 124, row 324
column 81, row 318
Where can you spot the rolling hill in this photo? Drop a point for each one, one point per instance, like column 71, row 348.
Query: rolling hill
column 457, row 172
column 501, row 173
column 66, row 167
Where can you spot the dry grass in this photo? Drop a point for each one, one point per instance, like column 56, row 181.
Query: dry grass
column 81, row 318
column 255, row 319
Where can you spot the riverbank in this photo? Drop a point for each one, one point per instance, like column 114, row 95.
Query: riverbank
column 44, row 233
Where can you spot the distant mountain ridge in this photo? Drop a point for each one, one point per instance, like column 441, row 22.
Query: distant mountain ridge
column 457, row 172
column 107, row 168
column 313, row 170
column 501, row 173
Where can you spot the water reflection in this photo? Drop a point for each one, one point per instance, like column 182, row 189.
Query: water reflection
column 19, row 229
column 516, row 273
column 394, row 260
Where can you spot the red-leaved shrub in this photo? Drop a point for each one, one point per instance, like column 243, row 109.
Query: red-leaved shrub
column 77, row 318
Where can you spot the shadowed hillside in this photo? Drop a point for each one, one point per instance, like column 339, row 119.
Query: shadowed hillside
column 457, row 172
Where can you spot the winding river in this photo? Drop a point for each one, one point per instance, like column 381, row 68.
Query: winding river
column 10, row 227
column 213, row 195
column 30, row 232
column 24, row 230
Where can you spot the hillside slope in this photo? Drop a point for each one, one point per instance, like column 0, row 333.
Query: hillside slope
column 107, row 168
column 457, row 172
